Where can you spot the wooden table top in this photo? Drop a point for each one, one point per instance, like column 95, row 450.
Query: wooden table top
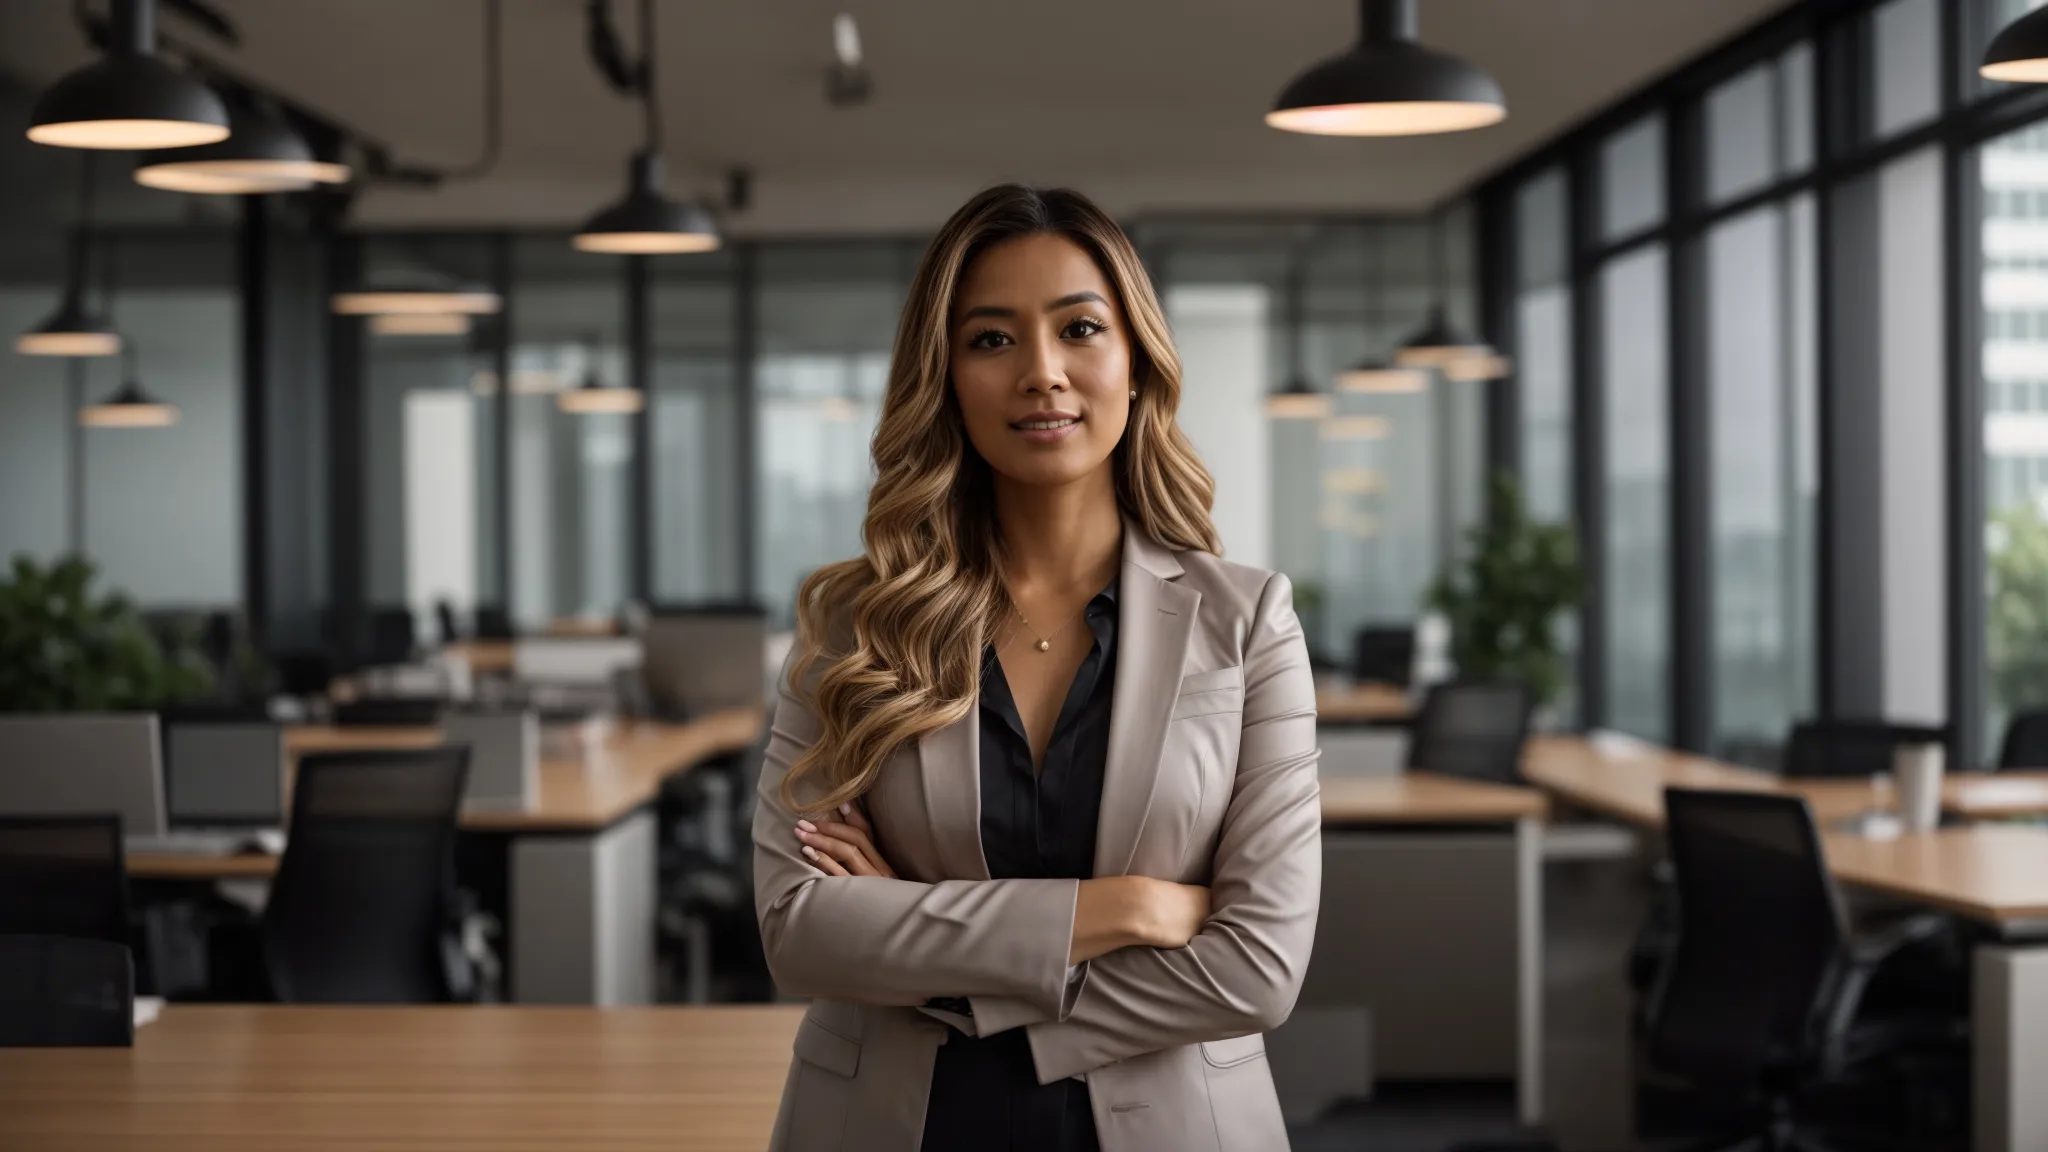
column 483, row 656
column 206, row 1078
column 1992, row 873
column 1426, row 798
column 585, row 792
column 1371, row 702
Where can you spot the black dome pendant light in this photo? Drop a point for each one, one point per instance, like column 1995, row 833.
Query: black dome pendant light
column 128, row 99
column 1298, row 399
column 2020, row 53
column 73, row 330
column 1377, row 375
column 263, row 155
column 593, row 397
column 1440, row 343
column 646, row 222
column 1388, row 84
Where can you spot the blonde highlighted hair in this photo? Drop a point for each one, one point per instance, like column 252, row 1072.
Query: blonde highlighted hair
column 889, row 644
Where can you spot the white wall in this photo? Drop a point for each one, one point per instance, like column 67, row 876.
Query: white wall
column 1914, row 538
column 441, row 504
column 1220, row 331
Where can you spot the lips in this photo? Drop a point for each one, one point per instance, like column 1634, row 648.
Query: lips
column 1046, row 427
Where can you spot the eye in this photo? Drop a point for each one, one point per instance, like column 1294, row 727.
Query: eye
column 1083, row 328
column 988, row 338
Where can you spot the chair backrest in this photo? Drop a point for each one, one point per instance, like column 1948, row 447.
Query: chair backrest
column 63, row 876
column 392, row 636
column 63, row 992
column 83, row 764
column 1759, row 925
column 493, row 622
column 1850, row 748
column 444, row 618
column 356, row 912
column 703, row 658
column 1473, row 729
column 2026, row 740
column 1383, row 654
column 304, row 673
column 389, row 712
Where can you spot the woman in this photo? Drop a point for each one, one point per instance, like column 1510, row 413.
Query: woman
column 1038, row 822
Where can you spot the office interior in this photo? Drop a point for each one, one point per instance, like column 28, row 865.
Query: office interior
column 1661, row 471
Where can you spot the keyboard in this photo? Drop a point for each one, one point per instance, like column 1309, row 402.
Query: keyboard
column 209, row 841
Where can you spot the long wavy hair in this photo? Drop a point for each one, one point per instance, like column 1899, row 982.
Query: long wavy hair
column 894, row 637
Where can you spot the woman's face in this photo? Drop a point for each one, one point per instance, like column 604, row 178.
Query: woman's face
column 1041, row 360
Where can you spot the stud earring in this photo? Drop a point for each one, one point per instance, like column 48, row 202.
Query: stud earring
column 1134, row 393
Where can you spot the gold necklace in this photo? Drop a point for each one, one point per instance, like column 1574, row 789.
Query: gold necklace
column 1045, row 642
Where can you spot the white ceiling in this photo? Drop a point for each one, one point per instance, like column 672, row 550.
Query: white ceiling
column 1150, row 105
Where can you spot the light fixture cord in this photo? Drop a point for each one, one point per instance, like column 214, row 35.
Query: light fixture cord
column 1297, row 292
column 494, row 95
column 81, row 235
column 650, row 98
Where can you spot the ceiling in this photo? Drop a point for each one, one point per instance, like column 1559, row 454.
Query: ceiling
column 1150, row 105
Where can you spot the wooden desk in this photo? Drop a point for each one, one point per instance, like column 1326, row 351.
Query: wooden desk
column 1368, row 703
column 483, row 656
column 582, row 857
column 1426, row 798
column 250, row 1079
column 1993, row 874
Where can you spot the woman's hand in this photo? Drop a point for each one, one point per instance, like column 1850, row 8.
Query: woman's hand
column 843, row 847
column 1115, row 912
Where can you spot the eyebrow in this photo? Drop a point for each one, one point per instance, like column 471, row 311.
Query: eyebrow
column 1067, row 301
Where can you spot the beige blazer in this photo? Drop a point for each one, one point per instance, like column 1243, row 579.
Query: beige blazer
column 1211, row 779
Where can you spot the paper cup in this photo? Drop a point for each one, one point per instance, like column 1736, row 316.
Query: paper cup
column 1918, row 769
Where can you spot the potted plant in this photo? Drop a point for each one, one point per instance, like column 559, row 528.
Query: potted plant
column 64, row 648
column 1503, row 600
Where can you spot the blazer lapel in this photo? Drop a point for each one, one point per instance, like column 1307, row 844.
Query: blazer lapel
column 949, row 760
column 1157, row 619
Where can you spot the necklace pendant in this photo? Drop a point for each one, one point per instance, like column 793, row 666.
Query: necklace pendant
column 1045, row 645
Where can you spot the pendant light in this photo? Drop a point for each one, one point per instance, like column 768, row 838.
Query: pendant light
column 1439, row 343
column 262, row 155
column 129, row 406
column 1375, row 375
column 73, row 330
column 420, row 324
column 1388, row 84
column 1492, row 366
column 646, row 221
column 2020, row 53
column 415, row 291
column 1299, row 400
column 594, row 397
column 128, row 99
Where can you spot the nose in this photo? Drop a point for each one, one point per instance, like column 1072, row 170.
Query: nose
column 1043, row 368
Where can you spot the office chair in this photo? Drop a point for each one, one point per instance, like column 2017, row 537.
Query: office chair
column 389, row 712
column 1849, row 748
column 363, row 906
column 1761, row 1005
column 65, row 992
column 63, row 876
column 706, row 926
column 2026, row 740
column 1473, row 729
column 391, row 636
column 493, row 622
column 303, row 673
column 444, row 618
column 1384, row 655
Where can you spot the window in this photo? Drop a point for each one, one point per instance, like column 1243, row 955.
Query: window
column 1544, row 377
column 1632, row 179
column 1759, row 126
column 1636, row 565
column 695, row 410
column 1761, row 347
column 1905, row 70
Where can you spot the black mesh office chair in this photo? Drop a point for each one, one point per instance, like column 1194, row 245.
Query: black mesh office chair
column 2026, row 740
column 363, row 903
column 65, row 992
column 1850, row 748
column 1383, row 655
column 1473, row 729
column 391, row 638
column 1760, row 1004
column 63, row 876
column 493, row 622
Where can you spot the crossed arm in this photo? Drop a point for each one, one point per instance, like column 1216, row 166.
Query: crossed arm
column 1007, row 945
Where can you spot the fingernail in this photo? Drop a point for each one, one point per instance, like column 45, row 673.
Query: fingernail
column 806, row 826
column 846, row 809
column 810, row 852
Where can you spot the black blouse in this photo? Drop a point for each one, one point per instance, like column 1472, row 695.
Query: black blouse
column 985, row 1091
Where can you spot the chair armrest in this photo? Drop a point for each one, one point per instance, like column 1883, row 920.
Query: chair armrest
column 1873, row 943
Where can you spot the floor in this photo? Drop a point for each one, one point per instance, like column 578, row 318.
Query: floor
column 1591, row 910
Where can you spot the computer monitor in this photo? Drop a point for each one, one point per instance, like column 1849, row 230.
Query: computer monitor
column 84, row 764
column 223, row 773
column 703, row 658
column 572, row 660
